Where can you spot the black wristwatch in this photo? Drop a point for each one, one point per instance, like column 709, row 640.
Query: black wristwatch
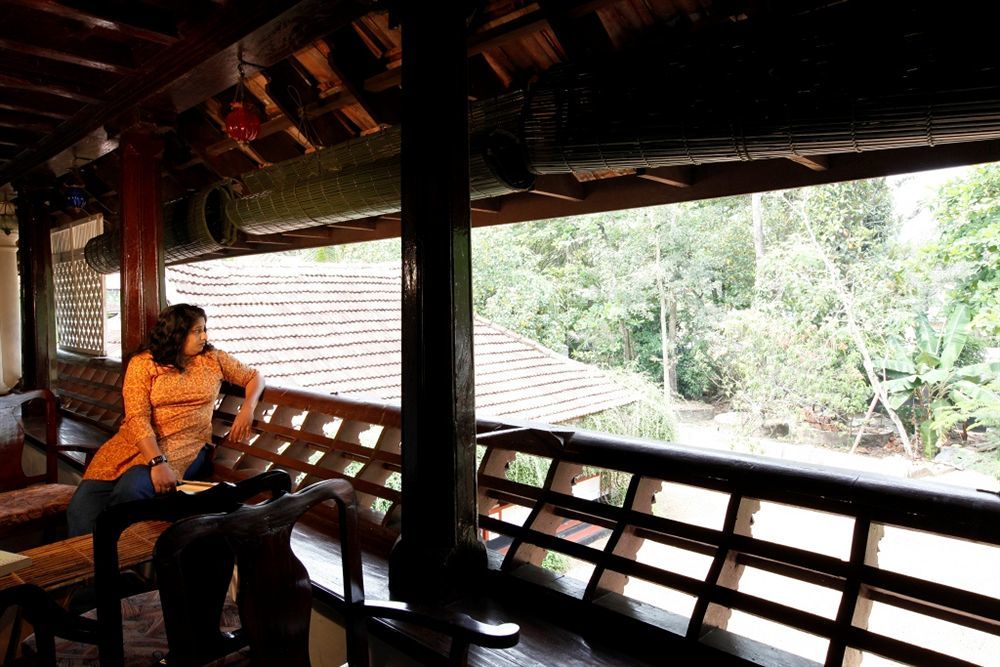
column 157, row 460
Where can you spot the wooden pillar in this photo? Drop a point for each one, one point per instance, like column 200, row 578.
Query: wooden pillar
column 439, row 547
column 10, row 312
column 142, row 235
column 38, row 305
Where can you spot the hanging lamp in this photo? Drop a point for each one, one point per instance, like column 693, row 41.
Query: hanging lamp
column 242, row 122
column 8, row 216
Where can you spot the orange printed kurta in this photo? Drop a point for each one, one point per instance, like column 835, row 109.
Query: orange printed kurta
column 174, row 407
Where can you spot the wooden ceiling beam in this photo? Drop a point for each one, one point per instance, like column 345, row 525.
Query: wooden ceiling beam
column 131, row 28
column 348, row 61
column 280, row 25
column 814, row 162
column 92, row 57
column 737, row 178
column 296, row 28
column 678, row 177
column 518, row 28
column 282, row 123
column 20, row 121
column 35, row 111
column 17, row 136
column 560, row 186
column 40, row 85
column 214, row 111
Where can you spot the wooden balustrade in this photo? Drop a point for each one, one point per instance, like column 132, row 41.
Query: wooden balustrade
column 667, row 547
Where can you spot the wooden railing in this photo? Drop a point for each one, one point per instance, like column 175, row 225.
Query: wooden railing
column 653, row 557
column 748, row 555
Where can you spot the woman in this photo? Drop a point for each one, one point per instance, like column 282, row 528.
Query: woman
column 169, row 393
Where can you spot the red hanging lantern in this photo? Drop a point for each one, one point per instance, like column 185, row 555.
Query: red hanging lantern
column 242, row 123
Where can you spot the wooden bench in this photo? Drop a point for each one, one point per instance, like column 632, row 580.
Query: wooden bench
column 89, row 391
column 32, row 507
column 656, row 582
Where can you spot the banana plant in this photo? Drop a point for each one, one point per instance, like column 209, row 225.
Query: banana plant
column 940, row 393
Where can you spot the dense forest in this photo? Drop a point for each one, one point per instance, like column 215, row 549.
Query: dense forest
column 793, row 303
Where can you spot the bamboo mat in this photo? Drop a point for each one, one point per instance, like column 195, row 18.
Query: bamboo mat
column 71, row 561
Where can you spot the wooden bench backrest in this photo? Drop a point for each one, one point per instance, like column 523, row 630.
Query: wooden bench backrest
column 90, row 390
column 316, row 436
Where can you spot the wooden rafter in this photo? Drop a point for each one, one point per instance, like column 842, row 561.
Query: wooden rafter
column 526, row 24
column 814, row 162
column 283, row 123
column 214, row 111
column 91, row 20
column 206, row 39
column 64, row 53
column 41, row 85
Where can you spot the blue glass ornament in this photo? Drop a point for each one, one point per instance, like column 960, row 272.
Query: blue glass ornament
column 76, row 197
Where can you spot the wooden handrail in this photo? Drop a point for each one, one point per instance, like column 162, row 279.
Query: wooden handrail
column 300, row 430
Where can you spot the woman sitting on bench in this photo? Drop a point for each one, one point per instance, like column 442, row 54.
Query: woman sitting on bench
column 170, row 389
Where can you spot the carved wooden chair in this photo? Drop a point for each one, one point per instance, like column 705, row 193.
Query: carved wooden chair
column 274, row 592
column 125, row 637
column 32, row 507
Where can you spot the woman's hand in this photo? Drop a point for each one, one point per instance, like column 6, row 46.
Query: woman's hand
column 241, row 431
column 163, row 478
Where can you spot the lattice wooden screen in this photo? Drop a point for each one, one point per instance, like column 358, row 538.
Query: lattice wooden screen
column 79, row 290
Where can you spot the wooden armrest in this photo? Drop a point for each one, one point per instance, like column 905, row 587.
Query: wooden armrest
column 458, row 625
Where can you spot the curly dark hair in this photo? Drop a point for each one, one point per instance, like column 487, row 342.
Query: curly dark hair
column 166, row 340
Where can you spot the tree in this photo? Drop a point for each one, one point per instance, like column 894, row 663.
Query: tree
column 968, row 249
column 941, row 393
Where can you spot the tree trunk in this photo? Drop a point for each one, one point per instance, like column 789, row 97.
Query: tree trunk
column 627, row 352
column 668, row 333
column 856, row 335
column 758, row 226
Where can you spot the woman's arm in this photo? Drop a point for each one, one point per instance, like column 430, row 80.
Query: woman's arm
column 241, row 429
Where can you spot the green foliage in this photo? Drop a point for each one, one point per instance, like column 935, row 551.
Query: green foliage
column 852, row 220
column 775, row 365
column 697, row 371
column 528, row 469
column 648, row 417
column 941, row 394
column 968, row 250
column 388, row 250
column 555, row 562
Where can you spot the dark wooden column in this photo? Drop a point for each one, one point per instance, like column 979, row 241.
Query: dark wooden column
column 38, row 304
column 142, row 235
column 439, row 547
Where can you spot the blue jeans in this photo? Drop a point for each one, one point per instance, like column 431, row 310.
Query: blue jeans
column 93, row 496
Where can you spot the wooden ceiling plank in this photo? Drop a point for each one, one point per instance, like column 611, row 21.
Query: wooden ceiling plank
column 103, row 62
column 19, row 121
column 292, row 89
column 40, row 85
column 92, row 20
column 34, row 111
column 347, row 59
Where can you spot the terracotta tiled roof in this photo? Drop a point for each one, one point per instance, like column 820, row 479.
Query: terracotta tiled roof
column 336, row 328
